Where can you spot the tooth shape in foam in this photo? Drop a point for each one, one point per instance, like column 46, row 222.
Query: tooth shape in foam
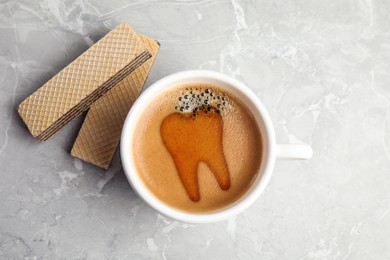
column 195, row 138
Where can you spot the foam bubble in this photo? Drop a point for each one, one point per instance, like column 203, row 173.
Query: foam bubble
column 205, row 99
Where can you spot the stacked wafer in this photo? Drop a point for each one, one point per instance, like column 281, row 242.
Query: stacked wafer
column 120, row 61
column 100, row 133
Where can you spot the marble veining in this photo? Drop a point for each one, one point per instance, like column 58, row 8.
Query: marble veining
column 320, row 67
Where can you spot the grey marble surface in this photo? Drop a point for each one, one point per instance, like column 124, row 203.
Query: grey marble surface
column 322, row 68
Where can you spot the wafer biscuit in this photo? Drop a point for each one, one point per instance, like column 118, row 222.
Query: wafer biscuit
column 100, row 133
column 83, row 81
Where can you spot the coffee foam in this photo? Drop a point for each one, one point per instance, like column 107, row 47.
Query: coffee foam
column 197, row 98
column 242, row 148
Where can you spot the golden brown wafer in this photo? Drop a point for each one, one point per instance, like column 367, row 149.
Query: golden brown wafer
column 83, row 81
column 100, row 133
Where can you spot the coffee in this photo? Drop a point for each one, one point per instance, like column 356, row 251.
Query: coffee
column 197, row 147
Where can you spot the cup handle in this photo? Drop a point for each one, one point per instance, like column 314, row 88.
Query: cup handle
column 293, row 151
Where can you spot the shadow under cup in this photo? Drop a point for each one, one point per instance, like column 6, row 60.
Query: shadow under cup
column 252, row 103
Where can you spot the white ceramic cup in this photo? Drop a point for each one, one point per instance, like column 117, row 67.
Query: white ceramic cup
column 271, row 150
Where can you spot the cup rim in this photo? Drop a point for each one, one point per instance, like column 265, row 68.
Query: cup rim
column 164, row 84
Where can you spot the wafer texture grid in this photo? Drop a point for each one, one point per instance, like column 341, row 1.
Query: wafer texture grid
column 100, row 133
column 83, row 81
